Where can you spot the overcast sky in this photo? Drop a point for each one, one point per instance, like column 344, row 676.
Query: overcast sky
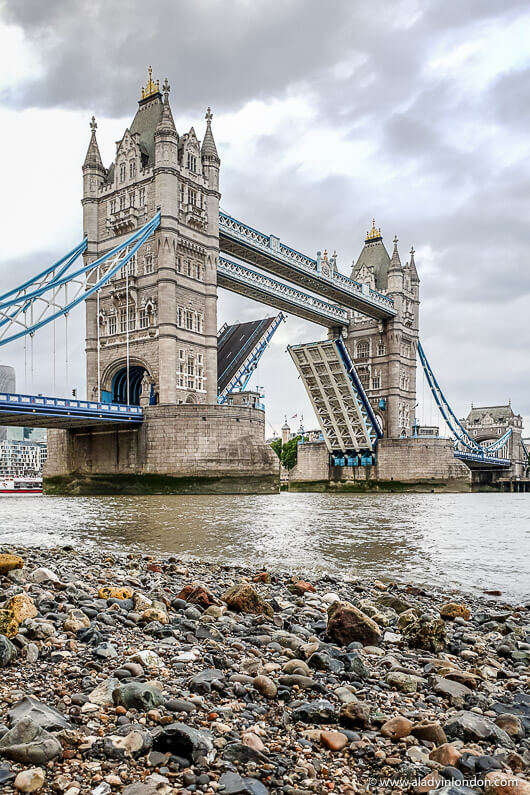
column 325, row 115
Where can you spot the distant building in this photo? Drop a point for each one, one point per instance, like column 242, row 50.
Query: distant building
column 487, row 424
column 22, row 450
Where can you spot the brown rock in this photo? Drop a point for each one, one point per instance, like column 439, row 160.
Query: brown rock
column 464, row 677
column 243, row 598
column 424, row 633
column 453, row 610
column 453, row 691
column 265, row 686
column 396, row 728
column 10, row 562
column 21, row 607
column 511, row 724
column 253, row 741
column 112, row 592
column 301, row 587
column 154, row 614
column 262, row 576
column 430, row 731
column 347, row 624
column 198, row 594
column 335, row 741
column 500, row 783
column 445, row 754
column 355, row 713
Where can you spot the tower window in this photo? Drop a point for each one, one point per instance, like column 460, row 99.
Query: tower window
column 148, row 263
column 112, row 324
column 122, row 202
column 123, row 172
column 380, row 348
column 192, row 162
column 192, row 197
column 141, row 197
column 363, row 350
column 132, row 169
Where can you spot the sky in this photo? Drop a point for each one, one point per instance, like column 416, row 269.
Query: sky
column 326, row 115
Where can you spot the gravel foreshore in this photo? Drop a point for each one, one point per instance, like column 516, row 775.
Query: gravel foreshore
column 144, row 675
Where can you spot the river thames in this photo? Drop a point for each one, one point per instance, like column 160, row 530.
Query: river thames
column 470, row 542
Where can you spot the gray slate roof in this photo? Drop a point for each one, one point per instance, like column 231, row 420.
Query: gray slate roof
column 374, row 254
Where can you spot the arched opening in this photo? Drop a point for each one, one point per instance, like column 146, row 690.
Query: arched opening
column 119, row 385
column 190, row 399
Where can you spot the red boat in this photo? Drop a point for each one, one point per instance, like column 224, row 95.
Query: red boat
column 21, row 486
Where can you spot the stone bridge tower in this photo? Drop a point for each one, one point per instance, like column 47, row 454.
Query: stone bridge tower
column 385, row 352
column 163, row 310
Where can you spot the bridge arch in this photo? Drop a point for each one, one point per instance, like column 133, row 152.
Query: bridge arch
column 114, row 382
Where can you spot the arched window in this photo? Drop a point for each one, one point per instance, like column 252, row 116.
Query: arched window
column 363, row 350
column 132, row 169
column 123, row 172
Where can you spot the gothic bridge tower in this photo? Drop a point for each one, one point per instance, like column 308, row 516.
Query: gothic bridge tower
column 157, row 318
column 385, row 352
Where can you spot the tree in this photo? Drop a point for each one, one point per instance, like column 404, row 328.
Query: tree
column 290, row 452
column 277, row 447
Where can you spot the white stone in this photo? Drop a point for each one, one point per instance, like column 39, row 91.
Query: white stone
column 43, row 575
column 30, row 780
column 391, row 637
column 102, row 694
column 330, row 598
column 148, row 658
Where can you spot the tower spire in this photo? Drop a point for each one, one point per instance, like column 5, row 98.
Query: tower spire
column 209, row 149
column 395, row 262
column 93, row 156
column 412, row 264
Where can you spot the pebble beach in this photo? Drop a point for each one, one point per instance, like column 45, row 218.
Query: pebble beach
column 143, row 675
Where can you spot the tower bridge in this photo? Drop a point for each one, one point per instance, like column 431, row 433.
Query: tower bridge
column 158, row 415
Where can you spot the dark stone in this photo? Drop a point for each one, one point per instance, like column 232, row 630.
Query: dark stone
column 347, row 623
column 6, row 775
column 465, row 726
column 234, row 784
column 44, row 716
column 355, row 714
column 321, row 711
column 177, row 705
column 354, row 664
column 8, row 652
column 28, row 743
column 182, row 740
column 136, row 695
column 237, row 752
column 452, row 773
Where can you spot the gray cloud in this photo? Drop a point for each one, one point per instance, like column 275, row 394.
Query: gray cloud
column 366, row 69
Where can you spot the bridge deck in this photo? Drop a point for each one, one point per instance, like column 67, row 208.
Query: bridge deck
column 37, row 411
column 477, row 461
column 270, row 254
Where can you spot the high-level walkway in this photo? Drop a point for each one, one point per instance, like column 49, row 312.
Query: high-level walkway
column 270, row 254
column 260, row 287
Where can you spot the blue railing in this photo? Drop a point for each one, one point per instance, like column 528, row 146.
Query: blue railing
column 11, row 403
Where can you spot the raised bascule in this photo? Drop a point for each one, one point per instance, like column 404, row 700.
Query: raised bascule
column 167, row 408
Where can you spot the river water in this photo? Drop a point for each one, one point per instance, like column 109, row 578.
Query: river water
column 467, row 541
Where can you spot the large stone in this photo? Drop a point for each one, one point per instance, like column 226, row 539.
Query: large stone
column 102, row 694
column 453, row 610
column 234, row 784
column 8, row 624
column 320, row 711
column 431, row 731
column 347, row 624
column 76, row 620
column 41, row 714
column 405, row 683
column 44, row 575
column 8, row 652
column 243, row 598
column 113, row 592
column 334, row 741
column 445, row 754
column 395, row 602
column 465, row 726
column 425, row 633
column 355, row 714
column 21, row 607
column 137, row 695
column 30, row 780
column 9, row 562
column 396, row 728
column 182, row 740
column 29, row 744
column 127, row 741
column 265, row 686
column 198, row 594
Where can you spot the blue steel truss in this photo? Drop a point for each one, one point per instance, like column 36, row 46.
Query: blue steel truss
column 54, row 292
column 372, row 424
column 243, row 375
column 269, row 253
column 466, row 448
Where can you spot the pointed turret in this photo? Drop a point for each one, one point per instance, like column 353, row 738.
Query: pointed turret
column 166, row 125
column 412, row 265
column 93, row 156
column 374, row 259
column 209, row 149
column 395, row 262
